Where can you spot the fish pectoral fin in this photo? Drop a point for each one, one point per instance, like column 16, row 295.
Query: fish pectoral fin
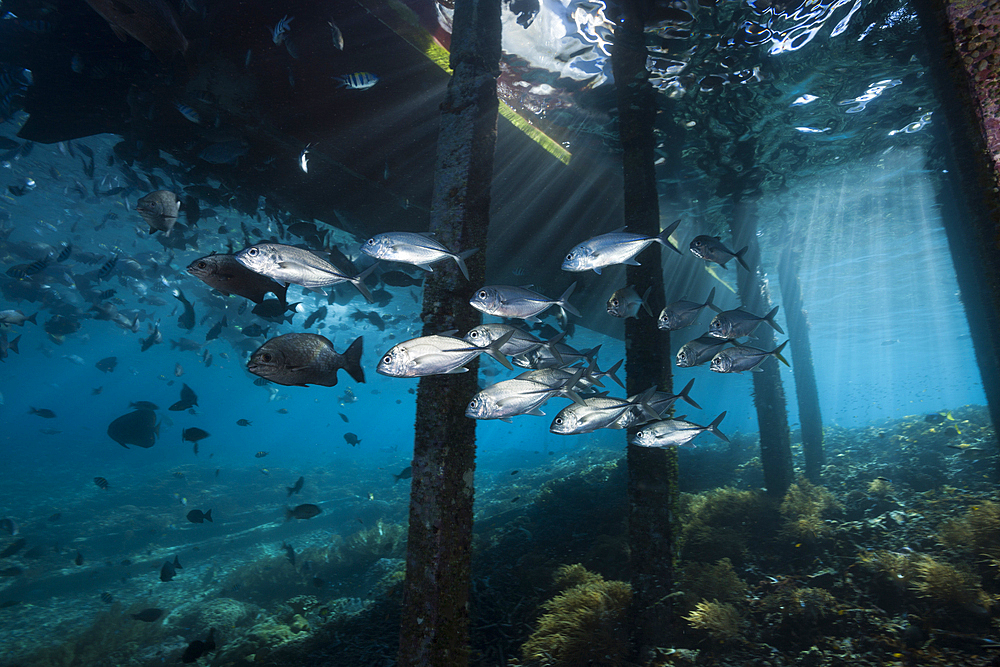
column 121, row 7
column 425, row 267
column 122, row 35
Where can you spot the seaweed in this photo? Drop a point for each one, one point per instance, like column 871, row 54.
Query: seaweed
column 721, row 523
column 722, row 621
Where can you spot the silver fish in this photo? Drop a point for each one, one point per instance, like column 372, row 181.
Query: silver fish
column 436, row 355
column 302, row 359
column 159, row 209
column 660, row 403
column 625, row 302
column 598, row 412
column 416, row 249
column 553, row 356
column 710, row 249
column 16, row 317
column 510, row 398
column 741, row 358
column 738, row 323
column 699, row 350
column 618, row 247
column 281, row 29
column 289, row 264
column 519, row 302
column 682, row 313
column 520, row 342
column 675, row 433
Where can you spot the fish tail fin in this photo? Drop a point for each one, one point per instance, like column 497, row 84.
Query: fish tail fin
column 664, row 236
column 290, row 490
column 642, row 402
column 684, row 394
column 553, row 348
column 13, row 344
column 777, row 354
column 709, row 304
column 208, row 516
column 32, row 319
column 610, row 373
column 359, row 282
column 739, row 257
column 769, row 318
column 288, row 514
column 460, row 260
column 493, row 349
column 352, row 360
column 645, row 303
column 565, row 305
column 713, row 428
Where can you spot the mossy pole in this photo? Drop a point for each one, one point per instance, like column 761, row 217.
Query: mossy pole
column 435, row 617
column 768, row 393
column 806, row 393
column 963, row 40
column 652, row 473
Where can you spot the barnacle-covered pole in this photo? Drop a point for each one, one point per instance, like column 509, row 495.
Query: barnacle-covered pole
column 435, row 618
column 963, row 39
column 652, row 473
column 768, row 392
column 803, row 369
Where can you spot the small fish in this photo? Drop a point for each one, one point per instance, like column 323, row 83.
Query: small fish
column 405, row 473
column 436, row 355
column 107, row 365
column 193, row 434
column 42, row 412
column 519, row 302
column 197, row 516
column 159, row 210
column 16, row 318
column 186, row 320
column 107, row 598
column 289, row 553
column 343, row 416
column 143, row 405
column 304, row 159
column 188, row 400
column 416, row 249
column 243, row 422
column 198, row 648
column 13, row 547
column 738, row 323
column 682, row 313
column 297, row 486
column 281, row 29
column 216, row 329
column 741, row 358
column 357, row 80
column 617, row 247
column 79, row 558
column 306, row 511
column 352, row 439
column 10, row 526
column 137, row 428
column 625, row 303
column 188, row 113
column 261, row 454
column 289, row 264
column 338, row 37
column 147, row 615
column 101, row 483
column 675, row 432
column 699, row 350
column 107, row 268
column 303, row 359
column 169, row 570
column 710, row 249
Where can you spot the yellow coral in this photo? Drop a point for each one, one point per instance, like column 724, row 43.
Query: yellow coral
column 721, row 620
column 945, row 583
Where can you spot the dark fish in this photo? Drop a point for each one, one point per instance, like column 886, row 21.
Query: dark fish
column 137, row 428
column 197, row 516
column 107, row 268
column 19, row 543
column 101, row 483
column 10, row 526
column 260, row 455
column 318, row 314
column 297, row 487
column 405, row 473
column 188, row 400
column 306, row 511
column 148, row 615
column 154, row 338
column 224, row 273
column 186, row 319
column 274, row 310
column 169, row 570
column 198, row 648
column 400, row 279
column 185, row 344
column 262, row 382
column 42, row 412
column 106, row 598
column 65, row 252
column 710, row 249
column 254, row 331
column 153, row 23
column 216, row 329
column 514, row 472
column 934, row 418
column 5, row 345
column 352, row 439
column 289, row 552
column 56, row 516
column 79, row 558
column 243, row 422
column 304, row 359
column 193, row 434
column 343, row 416
column 143, row 405
column 107, row 364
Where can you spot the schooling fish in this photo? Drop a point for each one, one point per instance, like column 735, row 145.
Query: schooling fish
column 297, row 486
column 229, row 276
column 303, row 359
column 699, row 350
column 710, row 249
column 197, row 516
column 189, row 399
column 416, row 249
column 198, row 648
column 618, row 247
column 193, row 434
column 682, row 313
column 137, row 428
column 519, row 302
column 739, row 323
column 436, row 355
column 625, row 303
column 294, row 265
column 741, row 358
column 185, row 320
column 675, row 432
column 148, row 615
column 357, row 80
column 159, row 209
column 306, row 511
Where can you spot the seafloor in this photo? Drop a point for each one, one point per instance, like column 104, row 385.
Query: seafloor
column 893, row 560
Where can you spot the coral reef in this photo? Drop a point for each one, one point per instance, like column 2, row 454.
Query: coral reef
column 722, row 621
column 585, row 624
column 719, row 581
column 721, row 523
column 945, row 584
column 803, row 508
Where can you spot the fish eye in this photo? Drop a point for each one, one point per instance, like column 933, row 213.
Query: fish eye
column 266, row 357
column 614, row 302
column 202, row 265
column 473, row 334
column 252, row 252
column 387, row 359
column 371, row 241
column 569, row 256
column 559, row 420
column 482, row 294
